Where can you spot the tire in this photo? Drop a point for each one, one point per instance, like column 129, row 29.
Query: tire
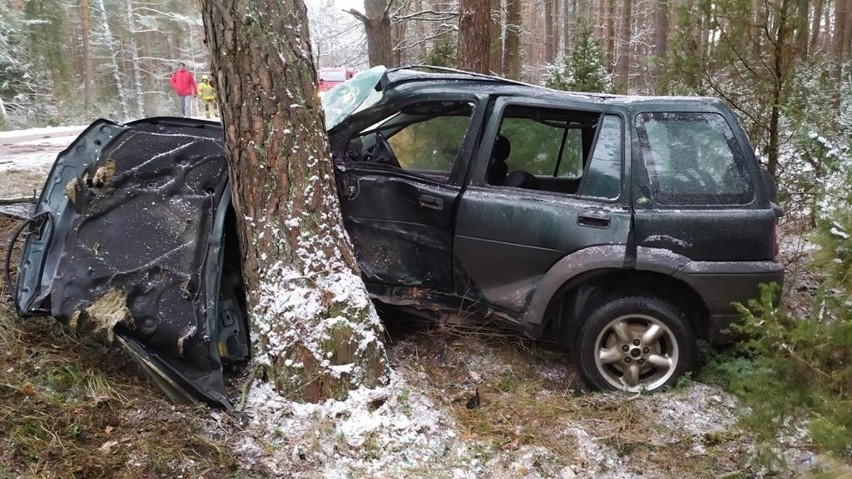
column 635, row 344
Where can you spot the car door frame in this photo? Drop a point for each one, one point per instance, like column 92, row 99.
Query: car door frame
column 428, row 252
column 530, row 296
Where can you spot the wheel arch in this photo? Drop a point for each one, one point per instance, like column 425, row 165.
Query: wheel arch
column 569, row 304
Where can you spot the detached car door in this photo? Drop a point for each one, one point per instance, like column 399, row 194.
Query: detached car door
column 399, row 183
column 124, row 239
column 555, row 188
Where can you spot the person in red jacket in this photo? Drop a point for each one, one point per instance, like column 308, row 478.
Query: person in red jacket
column 183, row 83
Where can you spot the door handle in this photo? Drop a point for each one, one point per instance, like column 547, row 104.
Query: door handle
column 593, row 219
column 431, row 202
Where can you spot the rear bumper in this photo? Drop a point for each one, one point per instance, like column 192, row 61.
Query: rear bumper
column 723, row 284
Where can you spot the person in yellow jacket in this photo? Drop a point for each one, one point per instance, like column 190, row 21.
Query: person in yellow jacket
column 207, row 94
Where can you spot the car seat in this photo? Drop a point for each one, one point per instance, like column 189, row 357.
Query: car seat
column 522, row 179
column 497, row 167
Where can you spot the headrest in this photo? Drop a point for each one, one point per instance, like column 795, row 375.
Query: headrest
column 502, row 148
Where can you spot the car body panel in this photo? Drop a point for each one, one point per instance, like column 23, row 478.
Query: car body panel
column 130, row 245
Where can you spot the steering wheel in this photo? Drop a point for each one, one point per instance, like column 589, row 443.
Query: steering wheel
column 383, row 153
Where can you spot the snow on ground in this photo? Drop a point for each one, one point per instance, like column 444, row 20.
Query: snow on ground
column 36, row 133
column 31, row 154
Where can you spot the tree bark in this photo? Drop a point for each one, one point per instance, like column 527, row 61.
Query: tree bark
column 511, row 47
column 88, row 69
column 802, row 29
column 661, row 35
column 315, row 332
column 840, row 14
column 549, row 42
column 610, row 34
column 815, row 26
column 496, row 33
column 473, row 35
column 113, row 53
column 569, row 9
column 624, row 47
column 135, row 61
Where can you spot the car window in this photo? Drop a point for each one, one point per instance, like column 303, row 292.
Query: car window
column 692, row 159
column 550, row 149
column 603, row 178
column 422, row 138
column 536, row 147
column 430, row 146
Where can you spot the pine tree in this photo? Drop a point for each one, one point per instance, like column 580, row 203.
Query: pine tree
column 583, row 69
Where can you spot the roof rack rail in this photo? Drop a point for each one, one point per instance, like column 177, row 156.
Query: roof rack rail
column 471, row 75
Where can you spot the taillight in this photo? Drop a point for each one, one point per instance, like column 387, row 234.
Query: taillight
column 774, row 238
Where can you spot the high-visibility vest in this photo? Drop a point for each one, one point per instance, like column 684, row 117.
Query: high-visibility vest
column 206, row 91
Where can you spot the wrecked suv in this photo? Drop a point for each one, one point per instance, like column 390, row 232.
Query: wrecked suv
column 624, row 228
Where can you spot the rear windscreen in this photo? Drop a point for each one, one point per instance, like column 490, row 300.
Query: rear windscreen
column 693, row 159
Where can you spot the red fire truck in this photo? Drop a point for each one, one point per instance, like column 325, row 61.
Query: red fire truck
column 331, row 77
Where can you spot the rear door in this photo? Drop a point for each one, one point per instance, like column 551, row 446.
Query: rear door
column 696, row 192
column 564, row 191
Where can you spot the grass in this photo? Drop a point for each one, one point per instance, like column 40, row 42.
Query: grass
column 74, row 407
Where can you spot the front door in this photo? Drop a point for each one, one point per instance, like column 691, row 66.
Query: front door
column 399, row 187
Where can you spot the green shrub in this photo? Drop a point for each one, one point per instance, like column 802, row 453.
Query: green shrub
column 790, row 369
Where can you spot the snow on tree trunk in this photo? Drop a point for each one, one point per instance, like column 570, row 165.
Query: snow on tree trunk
column 134, row 56
column 88, row 67
column 315, row 331
column 113, row 50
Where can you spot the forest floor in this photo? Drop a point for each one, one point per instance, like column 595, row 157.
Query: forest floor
column 72, row 406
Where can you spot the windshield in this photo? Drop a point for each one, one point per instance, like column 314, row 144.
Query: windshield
column 352, row 96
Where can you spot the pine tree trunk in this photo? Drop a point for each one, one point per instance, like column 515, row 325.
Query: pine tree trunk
column 609, row 18
column 802, row 29
column 511, row 48
column 473, row 35
column 549, row 42
column 661, row 32
column 569, row 9
column 135, row 61
column 496, row 33
column 624, row 47
column 88, row 69
column 315, row 332
column 815, row 26
column 113, row 53
column 840, row 17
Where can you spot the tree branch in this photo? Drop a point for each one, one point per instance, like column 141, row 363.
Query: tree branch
column 360, row 16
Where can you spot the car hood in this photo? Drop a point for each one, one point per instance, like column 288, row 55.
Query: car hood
column 126, row 238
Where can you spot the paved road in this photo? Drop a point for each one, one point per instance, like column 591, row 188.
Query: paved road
column 39, row 134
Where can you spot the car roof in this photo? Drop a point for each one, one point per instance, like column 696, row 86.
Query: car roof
column 405, row 79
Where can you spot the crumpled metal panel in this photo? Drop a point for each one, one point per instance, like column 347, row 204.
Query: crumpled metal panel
column 132, row 256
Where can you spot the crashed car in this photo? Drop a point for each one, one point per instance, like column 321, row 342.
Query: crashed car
column 623, row 228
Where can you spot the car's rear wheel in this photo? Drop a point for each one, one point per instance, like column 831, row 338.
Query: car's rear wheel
column 635, row 344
